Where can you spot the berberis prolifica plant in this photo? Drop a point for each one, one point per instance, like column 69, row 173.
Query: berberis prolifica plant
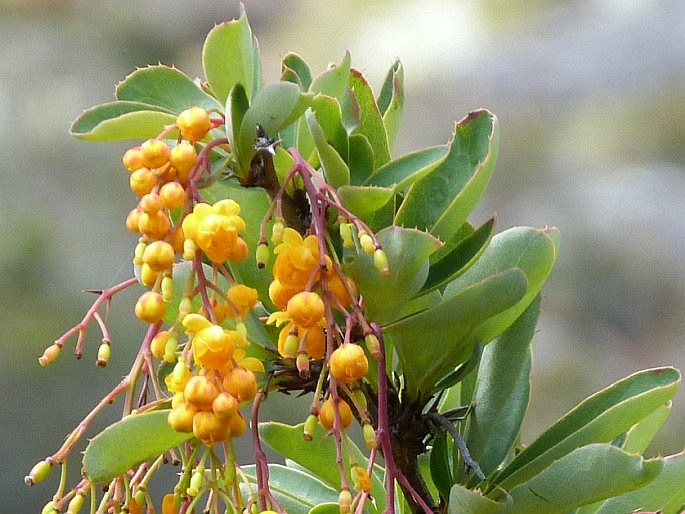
column 283, row 248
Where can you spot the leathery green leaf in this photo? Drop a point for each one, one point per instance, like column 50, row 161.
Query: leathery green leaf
column 299, row 67
column 120, row 121
column 371, row 124
column 237, row 104
column 328, row 115
column 316, row 455
column 446, row 328
column 407, row 169
column 441, row 201
column 297, row 492
column 447, row 265
column 274, row 108
column 228, row 58
column 502, row 392
column 391, row 101
column 641, row 434
column 665, row 494
column 586, row 475
column 360, row 158
column 407, row 251
column 164, row 87
column 333, row 81
column 334, row 167
column 440, row 465
column 597, row 419
column 463, row 500
column 127, row 443
column 534, row 251
column 365, row 201
column 326, row 508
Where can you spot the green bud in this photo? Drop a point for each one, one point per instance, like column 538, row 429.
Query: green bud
column 38, row 473
column 310, row 426
column 346, row 235
column 345, row 501
column 277, row 232
column 360, row 398
column 380, row 260
column 104, row 353
column 302, row 364
column 373, row 345
column 292, row 343
column 196, row 482
column 366, row 243
column 49, row 355
column 138, row 253
column 49, row 508
column 262, row 255
column 170, row 349
column 139, row 497
column 167, row 289
column 75, row 504
column 369, row 435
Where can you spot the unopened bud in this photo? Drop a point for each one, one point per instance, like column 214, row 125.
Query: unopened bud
column 189, row 249
column 309, row 427
column 104, row 353
column 170, row 349
column 167, row 289
column 346, row 235
column 373, row 345
column 302, row 364
column 366, row 243
column 359, row 398
column 277, row 232
column 241, row 328
column 75, row 504
column 38, row 473
column 138, row 253
column 196, row 482
column 380, row 260
column 369, row 435
column 49, row 508
column 139, row 497
column 345, row 501
column 185, row 307
column 292, row 343
column 262, row 255
column 50, row 354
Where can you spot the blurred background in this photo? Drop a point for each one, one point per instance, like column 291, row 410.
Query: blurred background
column 591, row 100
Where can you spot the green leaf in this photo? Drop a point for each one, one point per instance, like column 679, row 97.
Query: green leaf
column 407, row 251
column 458, row 258
column 360, row 159
column 407, row 169
column 164, row 87
column 121, row 120
column 294, row 62
column 598, row 419
column 326, row 508
column 469, row 501
column 228, row 58
column 328, row 115
column 534, row 251
column 371, row 121
column 333, row 81
column 365, row 201
column 237, row 105
column 432, row 343
column 585, row 475
column 440, row 465
column 297, row 492
column 274, row 108
column 502, row 392
column 641, row 434
column 127, row 443
column 441, row 201
column 317, row 455
column 665, row 494
column 391, row 101
column 334, row 167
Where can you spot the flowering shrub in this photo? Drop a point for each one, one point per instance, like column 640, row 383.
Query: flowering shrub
column 282, row 247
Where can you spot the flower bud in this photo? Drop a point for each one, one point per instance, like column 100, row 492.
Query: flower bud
column 173, row 195
column 225, row 405
column 310, row 427
column 345, row 501
column 139, row 497
column 151, row 203
column 159, row 255
column 183, row 157
column 346, row 235
column 150, row 307
column 277, row 232
column 262, row 255
column 359, row 398
column 302, row 363
column 50, row 354
column 196, row 481
column 133, row 159
column 348, row 363
column 132, row 219
column 75, row 504
column 327, row 414
column 366, row 242
column 291, row 346
column 142, row 181
column 180, row 417
column 167, row 288
column 305, row 309
column 380, row 260
column 200, row 392
column 241, row 383
column 104, row 353
column 49, row 508
column 369, row 435
column 189, row 249
column 156, row 153
column 373, row 345
column 194, row 123
column 38, row 473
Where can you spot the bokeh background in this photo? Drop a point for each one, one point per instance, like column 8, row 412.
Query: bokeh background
column 591, row 100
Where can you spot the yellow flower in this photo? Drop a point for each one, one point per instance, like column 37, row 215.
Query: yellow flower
column 305, row 309
column 241, row 299
column 348, row 363
column 215, row 230
column 297, row 259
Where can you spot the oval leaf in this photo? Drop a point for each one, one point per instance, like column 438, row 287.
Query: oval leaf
column 119, row 121
column 441, row 201
column 129, row 442
column 164, row 87
column 432, row 343
column 407, row 169
column 598, row 419
column 463, row 500
column 371, row 122
column 228, row 58
column 585, row 475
